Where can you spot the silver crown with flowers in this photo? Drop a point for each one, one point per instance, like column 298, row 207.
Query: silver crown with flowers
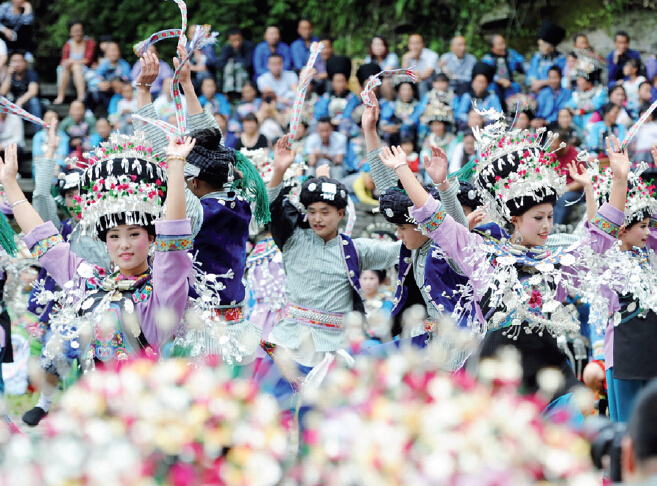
column 537, row 170
column 112, row 185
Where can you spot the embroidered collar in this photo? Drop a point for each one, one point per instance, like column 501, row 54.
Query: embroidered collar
column 121, row 283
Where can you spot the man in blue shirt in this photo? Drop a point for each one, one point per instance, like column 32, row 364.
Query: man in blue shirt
column 550, row 35
column 271, row 45
column 551, row 99
column 618, row 57
column 301, row 47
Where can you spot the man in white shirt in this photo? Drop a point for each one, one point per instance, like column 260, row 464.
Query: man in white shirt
column 422, row 59
column 327, row 147
column 283, row 83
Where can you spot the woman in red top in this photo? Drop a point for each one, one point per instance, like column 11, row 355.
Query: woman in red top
column 77, row 56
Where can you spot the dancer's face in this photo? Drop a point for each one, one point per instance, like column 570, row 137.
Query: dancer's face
column 535, row 225
column 635, row 235
column 410, row 236
column 369, row 282
column 324, row 219
column 128, row 248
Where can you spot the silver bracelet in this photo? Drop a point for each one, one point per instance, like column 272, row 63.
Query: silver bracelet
column 145, row 84
column 18, row 202
column 399, row 165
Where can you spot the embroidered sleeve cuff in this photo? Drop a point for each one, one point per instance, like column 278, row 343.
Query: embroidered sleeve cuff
column 604, row 225
column 427, row 211
column 41, row 232
column 42, row 247
column 612, row 214
column 173, row 243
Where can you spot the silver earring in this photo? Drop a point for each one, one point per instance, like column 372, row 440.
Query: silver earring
column 518, row 239
column 151, row 250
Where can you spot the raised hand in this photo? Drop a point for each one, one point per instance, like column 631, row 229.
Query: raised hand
column 475, row 217
column 579, row 174
column 9, row 166
column 371, row 114
column 185, row 73
column 393, row 157
column 438, row 165
column 323, row 171
column 283, row 156
column 618, row 161
column 53, row 136
column 180, row 149
column 150, row 68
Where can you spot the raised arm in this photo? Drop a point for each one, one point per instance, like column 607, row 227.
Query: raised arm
column 150, row 68
column 620, row 166
column 176, row 155
column 44, row 168
column 581, row 175
column 193, row 105
column 437, row 168
column 383, row 176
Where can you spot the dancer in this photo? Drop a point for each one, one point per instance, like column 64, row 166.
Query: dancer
column 116, row 313
column 519, row 285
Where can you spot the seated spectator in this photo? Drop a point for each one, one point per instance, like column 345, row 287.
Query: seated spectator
column 565, row 123
column 103, row 131
column 117, row 85
column 398, row 119
column 617, row 97
column 126, row 107
column 77, row 56
column 235, row 62
column 103, row 42
column 327, row 146
column 440, row 94
column 599, row 131
column 249, row 103
column 506, row 62
column 645, row 93
column 300, row 48
column 631, row 83
column 251, row 138
column 549, row 36
column 40, row 142
column 590, row 95
column 164, row 105
column 480, row 92
column 440, row 120
column 270, row 117
column 16, row 25
column 524, row 120
column 407, row 143
column 271, row 45
column 282, row 82
column 363, row 187
column 23, row 84
column 338, row 103
column 100, row 88
column 618, row 57
column 79, row 127
column 580, row 41
column 565, row 155
column 569, row 79
column 463, row 152
column 356, row 150
column 323, row 84
column 229, row 137
column 203, row 63
column 551, row 99
column 301, row 139
column 379, row 52
column 423, row 59
column 457, row 65
column 164, row 72
column 217, row 101
column 642, row 143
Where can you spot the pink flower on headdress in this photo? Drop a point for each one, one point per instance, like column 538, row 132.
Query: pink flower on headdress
column 133, row 177
column 536, row 300
column 497, row 178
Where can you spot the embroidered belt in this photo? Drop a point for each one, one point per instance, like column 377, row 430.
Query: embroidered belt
column 315, row 318
column 229, row 314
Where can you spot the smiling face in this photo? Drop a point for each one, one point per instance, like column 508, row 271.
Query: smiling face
column 128, row 248
column 534, row 225
column 410, row 236
column 324, row 219
column 635, row 236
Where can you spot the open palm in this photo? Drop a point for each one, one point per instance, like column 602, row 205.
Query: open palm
column 437, row 166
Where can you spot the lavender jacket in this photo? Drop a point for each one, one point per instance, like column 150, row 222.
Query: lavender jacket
column 171, row 267
column 453, row 238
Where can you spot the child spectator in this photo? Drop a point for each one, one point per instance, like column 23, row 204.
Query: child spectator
column 79, row 127
column 77, row 56
column 103, row 131
column 407, row 143
column 217, row 101
column 632, row 82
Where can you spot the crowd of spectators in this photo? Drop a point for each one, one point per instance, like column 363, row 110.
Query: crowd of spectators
column 250, row 88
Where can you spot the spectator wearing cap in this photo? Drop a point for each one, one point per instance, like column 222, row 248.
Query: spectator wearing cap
column 506, row 62
column 235, row 62
column 423, row 59
column 23, row 84
column 279, row 80
column 300, row 48
column 271, row 45
column 481, row 92
column 551, row 99
column 164, row 72
column 549, row 36
column 111, row 68
column 618, row 57
column 457, row 65
column 338, row 103
column 327, row 146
